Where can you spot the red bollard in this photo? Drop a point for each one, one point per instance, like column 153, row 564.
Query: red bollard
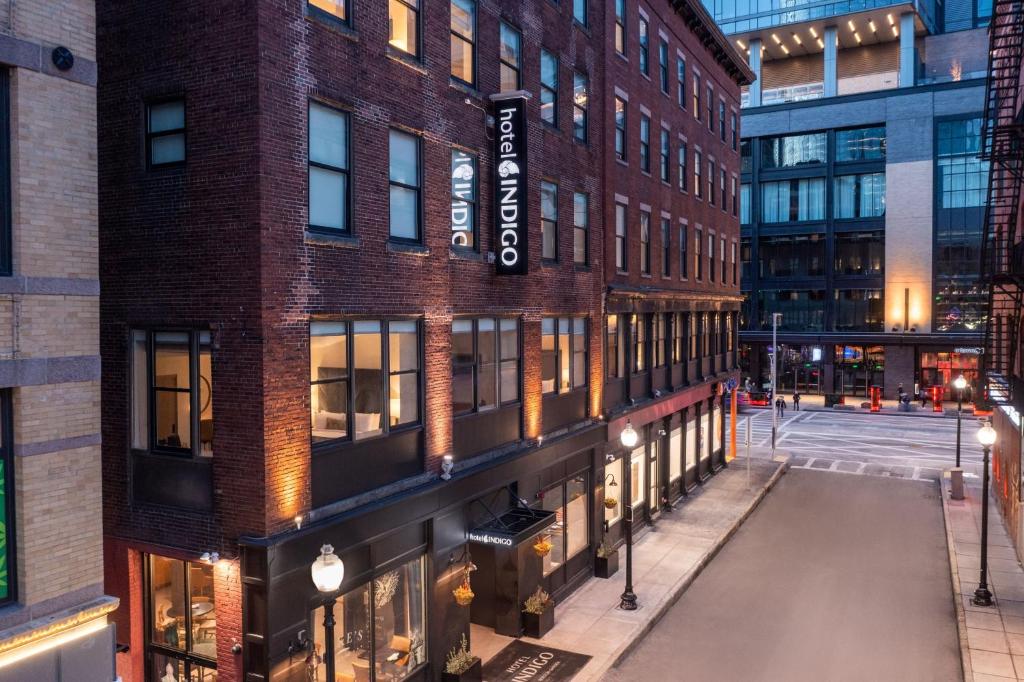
column 876, row 398
column 936, row 398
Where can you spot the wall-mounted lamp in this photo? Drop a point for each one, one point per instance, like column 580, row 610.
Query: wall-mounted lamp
column 209, row 557
column 298, row 522
column 447, row 464
column 613, row 484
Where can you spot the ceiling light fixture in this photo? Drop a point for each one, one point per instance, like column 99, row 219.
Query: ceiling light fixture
column 850, row 24
column 740, row 43
column 784, row 49
column 857, row 36
column 871, row 25
column 895, row 31
column 892, row 22
column 797, row 39
column 821, row 44
column 814, row 34
column 776, row 39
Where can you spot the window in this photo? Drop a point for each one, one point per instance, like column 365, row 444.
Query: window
column 962, row 174
column 705, row 335
column 659, row 339
column 380, row 626
column 859, row 253
column 663, row 64
column 645, row 242
column 579, row 11
column 802, row 309
column 721, row 119
column 733, row 256
column 745, row 203
column 681, row 82
column 859, row 310
column 337, row 9
column 746, row 162
column 860, row 196
column 639, row 343
column 580, row 97
column 711, row 258
column 735, row 131
column 404, row 175
column 485, row 364
column 580, row 227
column 801, row 255
column 666, row 247
column 328, row 168
column 181, row 633
column 615, row 362
column 569, row 533
column 665, row 156
column 793, row 150
column 733, row 195
column 730, row 340
column 711, row 182
column 620, row 237
column 678, row 337
column 548, row 88
column 696, row 96
column 681, row 163
column 165, row 133
column 463, row 38
column 172, row 396
column 724, row 205
column 683, row 240
column 549, row 220
column 694, row 322
column 645, row 143
column 793, row 200
column 8, row 564
column 563, row 351
column 697, row 187
column 384, row 357
column 509, row 54
column 464, row 188
column 862, row 144
column 721, row 252
column 404, row 26
column 644, row 46
column 698, row 254
column 711, row 108
column 620, row 26
column 620, row 129
column 746, row 271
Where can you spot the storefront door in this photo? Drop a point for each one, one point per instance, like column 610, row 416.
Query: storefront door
column 703, row 440
column 637, row 483
column 569, row 534
column 654, row 479
column 690, row 474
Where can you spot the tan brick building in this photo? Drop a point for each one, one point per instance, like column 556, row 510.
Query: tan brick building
column 53, row 611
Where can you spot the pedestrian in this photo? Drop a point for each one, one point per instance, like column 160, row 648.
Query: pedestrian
column 796, row 401
column 780, row 406
column 924, row 397
column 900, row 392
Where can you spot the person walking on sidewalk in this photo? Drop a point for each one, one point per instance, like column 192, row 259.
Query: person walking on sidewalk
column 780, row 406
column 796, row 401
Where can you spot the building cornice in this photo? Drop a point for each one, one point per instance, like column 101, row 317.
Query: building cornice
column 714, row 41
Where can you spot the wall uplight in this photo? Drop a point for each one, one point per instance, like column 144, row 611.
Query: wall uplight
column 784, row 49
column 895, row 32
column 821, row 44
column 814, row 34
column 871, row 25
column 892, row 22
column 857, row 36
column 740, row 43
column 776, row 39
column 850, row 24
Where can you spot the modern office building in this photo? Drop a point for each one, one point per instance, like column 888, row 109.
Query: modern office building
column 353, row 265
column 53, row 609
column 863, row 192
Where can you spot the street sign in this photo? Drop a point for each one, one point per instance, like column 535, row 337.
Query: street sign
column 731, row 384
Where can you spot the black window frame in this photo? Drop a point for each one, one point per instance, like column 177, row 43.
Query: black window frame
column 698, row 181
column 722, row 187
column 711, row 182
column 641, row 361
column 346, row 171
column 621, row 240
column 550, row 89
column 721, row 252
column 7, row 480
column 571, row 321
column 681, row 82
column 499, row 362
column 711, row 257
column 472, row 201
column 645, row 143
column 578, row 229
column 684, row 238
column 644, row 41
column 418, row 188
column 735, row 136
column 325, row 15
column 6, row 216
column 614, row 350
column 711, row 106
column 681, row 164
column 721, row 118
column 663, row 65
column 186, row 653
column 418, row 12
column 621, row 139
column 517, row 68
column 659, row 339
column 665, row 153
column 695, row 78
column 620, row 38
column 666, row 246
column 698, row 254
column 645, row 243
column 453, row 34
column 150, row 136
column 580, row 131
column 581, row 17
column 545, row 222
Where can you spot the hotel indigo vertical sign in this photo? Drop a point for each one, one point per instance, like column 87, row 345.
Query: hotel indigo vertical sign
column 511, row 179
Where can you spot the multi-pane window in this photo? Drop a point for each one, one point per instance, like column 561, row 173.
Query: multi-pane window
column 696, row 96
column 793, row 150
column 463, row 39
column 181, row 637
column 548, row 87
column 404, row 176
column 364, row 377
column 678, row 337
column 645, row 143
column 404, row 26
column 859, row 253
column 711, row 258
column 698, row 188
column 659, row 339
column 721, row 252
column 711, row 107
column 732, row 195
column 172, row 392
column 721, row 119
column 620, row 129
column 793, row 200
column 338, row 9
column 464, row 199
column 510, row 56
column 802, row 309
column 569, row 534
column 9, row 581
column 563, row 354
column 620, row 237
column 711, row 182
column 663, row 64
column 580, row 101
column 684, row 265
column 694, row 323
column 328, row 159
column 698, row 254
column 165, row 133
column 580, row 227
column 962, row 174
column 615, row 362
column 745, row 203
column 735, row 131
column 639, row 343
column 681, row 81
column 861, row 144
column 620, row 26
column 859, row 310
column 799, row 255
column 663, row 166
column 645, row 242
column 579, row 11
column 485, row 364
column 681, row 166
column 859, row 196
column 733, row 256
column 724, row 205
column 666, row 246
column 730, row 339
column 549, row 220
column 644, row 45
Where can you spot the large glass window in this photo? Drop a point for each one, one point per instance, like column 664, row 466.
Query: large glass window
column 637, row 487
column 793, row 150
column 801, row 255
column 485, row 364
column 172, row 396
column 802, row 310
column 580, row 100
column 860, row 253
column 620, row 129
column 579, row 11
column 620, row 237
column 463, row 40
column 335, row 8
column 859, row 310
column 659, row 339
column 861, row 144
column 328, row 167
column 645, row 242
column 640, row 343
column 380, row 627
column 580, row 227
column 793, row 200
column 745, row 203
column 165, row 133
column 404, row 26
column 464, row 189
column 663, row 64
column 549, row 87
column 645, row 143
column 679, row 337
column 181, row 634
column 509, row 55
column 404, row 175
column 698, row 187
column 549, row 220
column 8, row 572
column 563, row 354
column 963, row 175
column 348, row 403
column 615, row 362
column 860, row 196
column 569, row 533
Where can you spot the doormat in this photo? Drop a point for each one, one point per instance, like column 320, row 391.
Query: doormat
column 522, row 662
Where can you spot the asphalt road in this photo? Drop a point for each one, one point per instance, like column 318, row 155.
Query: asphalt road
column 832, row 578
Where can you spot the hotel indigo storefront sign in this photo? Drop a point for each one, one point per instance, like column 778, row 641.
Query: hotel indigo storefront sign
column 510, row 184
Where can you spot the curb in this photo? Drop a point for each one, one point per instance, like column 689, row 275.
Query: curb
column 678, row 590
column 958, row 601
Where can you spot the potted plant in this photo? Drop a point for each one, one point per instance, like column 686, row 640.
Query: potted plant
column 543, row 546
column 607, row 562
column 464, row 593
column 461, row 665
column 611, row 502
column 538, row 614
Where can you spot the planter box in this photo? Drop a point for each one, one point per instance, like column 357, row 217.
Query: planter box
column 474, row 674
column 538, row 625
column 606, row 567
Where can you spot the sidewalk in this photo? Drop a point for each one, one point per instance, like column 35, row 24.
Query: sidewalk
column 991, row 638
column 666, row 559
column 816, row 403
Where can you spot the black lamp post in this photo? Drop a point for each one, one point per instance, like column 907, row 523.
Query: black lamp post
column 328, row 572
column 629, row 439
column 959, row 384
column 982, row 595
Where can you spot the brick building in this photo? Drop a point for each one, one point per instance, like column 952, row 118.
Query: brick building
column 53, row 610
column 310, row 334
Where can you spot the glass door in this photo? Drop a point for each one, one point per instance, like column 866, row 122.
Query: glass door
column 653, row 480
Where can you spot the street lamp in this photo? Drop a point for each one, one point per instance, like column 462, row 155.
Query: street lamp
column 982, row 596
column 328, row 571
column 629, row 439
column 959, row 384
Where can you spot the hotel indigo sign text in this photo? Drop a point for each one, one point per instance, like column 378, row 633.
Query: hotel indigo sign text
column 510, row 182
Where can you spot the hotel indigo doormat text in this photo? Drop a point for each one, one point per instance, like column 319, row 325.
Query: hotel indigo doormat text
column 523, row 662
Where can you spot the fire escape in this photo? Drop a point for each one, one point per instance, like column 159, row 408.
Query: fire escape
column 1003, row 246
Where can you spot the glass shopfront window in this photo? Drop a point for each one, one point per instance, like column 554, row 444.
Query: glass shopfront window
column 654, row 477
column 636, row 477
column 181, row 634
column 705, row 433
column 801, row 255
column 613, row 491
column 380, row 628
column 716, row 436
column 691, row 444
column 942, row 367
column 569, row 533
column 801, row 368
column 857, row 368
column 675, row 454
